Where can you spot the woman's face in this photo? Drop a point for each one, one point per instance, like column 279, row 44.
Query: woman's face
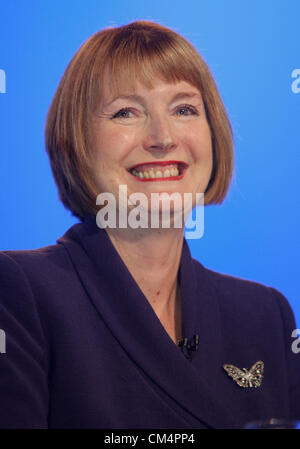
column 152, row 140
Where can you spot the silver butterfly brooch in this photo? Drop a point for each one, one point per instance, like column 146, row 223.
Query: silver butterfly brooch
column 245, row 378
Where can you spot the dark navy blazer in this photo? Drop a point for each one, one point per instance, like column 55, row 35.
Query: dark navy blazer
column 84, row 348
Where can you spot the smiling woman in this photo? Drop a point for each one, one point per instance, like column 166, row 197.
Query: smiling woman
column 120, row 327
column 117, row 65
column 139, row 150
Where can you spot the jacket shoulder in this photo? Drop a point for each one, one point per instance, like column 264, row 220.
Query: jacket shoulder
column 47, row 273
column 46, row 253
column 229, row 286
column 245, row 297
column 47, row 259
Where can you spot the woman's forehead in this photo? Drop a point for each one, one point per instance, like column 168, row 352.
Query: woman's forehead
column 111, row 92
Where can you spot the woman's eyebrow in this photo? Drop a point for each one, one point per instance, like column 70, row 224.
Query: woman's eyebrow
column 139, row 99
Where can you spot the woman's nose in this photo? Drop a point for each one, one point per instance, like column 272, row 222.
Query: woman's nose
column 159, row 135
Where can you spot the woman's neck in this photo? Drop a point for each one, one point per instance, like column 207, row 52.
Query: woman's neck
column 153, row 258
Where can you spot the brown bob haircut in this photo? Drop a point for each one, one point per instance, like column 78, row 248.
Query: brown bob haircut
column 140, row 51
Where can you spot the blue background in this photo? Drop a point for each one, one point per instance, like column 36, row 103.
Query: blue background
column 251, row 47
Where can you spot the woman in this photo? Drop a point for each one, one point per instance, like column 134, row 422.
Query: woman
column 119, row 327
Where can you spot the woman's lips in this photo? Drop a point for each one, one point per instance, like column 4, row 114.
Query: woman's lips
column 159, row 171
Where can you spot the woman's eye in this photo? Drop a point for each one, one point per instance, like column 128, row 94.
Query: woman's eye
column 191, row 110
column 182, row 110
column 122, row 113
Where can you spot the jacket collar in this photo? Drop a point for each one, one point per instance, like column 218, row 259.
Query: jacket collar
column 128, row 314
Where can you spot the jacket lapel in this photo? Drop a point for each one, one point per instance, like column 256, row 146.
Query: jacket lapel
column 135, row 325
column 201, row 315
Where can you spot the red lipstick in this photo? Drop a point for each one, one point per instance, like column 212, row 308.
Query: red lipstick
column 180, row 165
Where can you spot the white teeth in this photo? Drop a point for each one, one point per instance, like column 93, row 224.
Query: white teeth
column 173, row 171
